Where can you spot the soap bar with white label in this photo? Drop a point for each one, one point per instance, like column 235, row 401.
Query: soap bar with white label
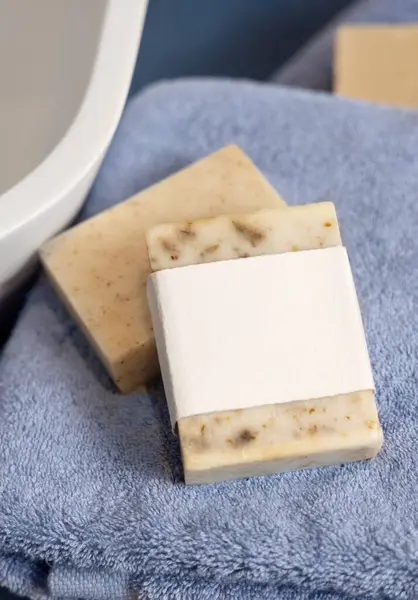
column 269, row 231
column 100, row 267
column 227, row 444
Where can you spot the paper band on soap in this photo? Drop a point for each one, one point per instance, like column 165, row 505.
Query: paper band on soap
column 266, row 330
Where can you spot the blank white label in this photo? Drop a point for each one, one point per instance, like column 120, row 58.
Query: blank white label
column 256, row 331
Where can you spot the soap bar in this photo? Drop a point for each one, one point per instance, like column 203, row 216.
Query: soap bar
column 100, row 267
column 228, row 444
column 269, row 231
column 377, row 63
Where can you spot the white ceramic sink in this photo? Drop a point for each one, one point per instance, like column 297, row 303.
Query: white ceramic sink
column 65, row 71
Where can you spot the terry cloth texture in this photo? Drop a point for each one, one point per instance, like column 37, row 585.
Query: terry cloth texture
column 311, row 67
column 92, row 502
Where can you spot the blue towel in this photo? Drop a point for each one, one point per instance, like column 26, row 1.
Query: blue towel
column 311, row 67
column 92, row 502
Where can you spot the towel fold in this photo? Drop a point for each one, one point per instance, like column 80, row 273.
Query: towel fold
column 92, row 502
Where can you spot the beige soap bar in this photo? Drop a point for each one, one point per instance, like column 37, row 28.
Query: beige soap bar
column 100, row 267
column 280, row 437
column 269, row 231
column 377, row 63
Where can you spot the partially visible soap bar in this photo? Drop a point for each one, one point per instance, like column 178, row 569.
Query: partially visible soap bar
column 377, row 63
column 226, row 237
column 100, row 267
column 260, row 440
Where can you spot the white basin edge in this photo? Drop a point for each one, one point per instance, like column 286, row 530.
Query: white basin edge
column 75, row 159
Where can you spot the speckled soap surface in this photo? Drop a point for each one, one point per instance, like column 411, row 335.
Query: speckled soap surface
column 100, row 267
column 280, row 437
column 275, row 437
column 226, row 237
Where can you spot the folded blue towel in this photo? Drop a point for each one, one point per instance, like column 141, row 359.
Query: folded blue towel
column 92, row 502
column 311, row 67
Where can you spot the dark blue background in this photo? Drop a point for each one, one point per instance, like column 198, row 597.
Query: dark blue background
column 235, row 38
